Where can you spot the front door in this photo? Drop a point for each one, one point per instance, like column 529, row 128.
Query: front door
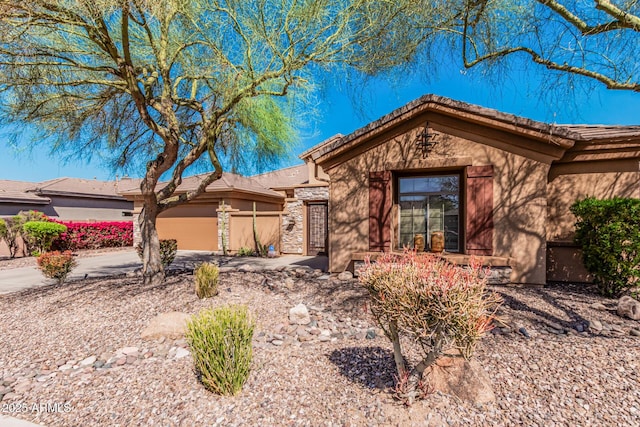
column 317, row 228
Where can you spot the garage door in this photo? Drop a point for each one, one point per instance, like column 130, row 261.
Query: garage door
column 193, row 225
column 192, row 233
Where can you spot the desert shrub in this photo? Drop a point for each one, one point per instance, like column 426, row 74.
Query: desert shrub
column 168, row 251
column 10, row 232
column 94, row 235
column 609, row 233
column 220, row 342
column 245, row 251
column 206, row 277
column 436, row 304
column 56, row 265
column 17, row 223
column 40, row 235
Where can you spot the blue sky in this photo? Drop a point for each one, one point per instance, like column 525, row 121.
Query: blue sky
column 339, row 112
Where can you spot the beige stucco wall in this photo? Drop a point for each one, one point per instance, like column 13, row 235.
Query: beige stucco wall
column 564, row 190
column 564, row 260
column 519, row 195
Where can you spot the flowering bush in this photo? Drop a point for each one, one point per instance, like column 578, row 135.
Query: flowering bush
column 438, row 305
column 95, row 235
column 56, row 265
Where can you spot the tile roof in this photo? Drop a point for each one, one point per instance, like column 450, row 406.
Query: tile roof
column 608, row 132
column 77, row 187
column 227, row 182
column 284, row 178
column 16, row 192
column 562, row 135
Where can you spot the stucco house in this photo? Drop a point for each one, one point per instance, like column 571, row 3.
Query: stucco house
column 66, row 199
column 499, row 186
column 290, row 209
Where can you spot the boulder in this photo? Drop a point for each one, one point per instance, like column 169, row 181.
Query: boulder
column 345, row 275
column 462, row 378
column 629, row 307
column 299, row 315
column 171, row 325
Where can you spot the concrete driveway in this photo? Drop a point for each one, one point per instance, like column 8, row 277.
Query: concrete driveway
column 110, row 264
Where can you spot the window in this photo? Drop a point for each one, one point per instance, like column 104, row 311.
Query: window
column 427, row 204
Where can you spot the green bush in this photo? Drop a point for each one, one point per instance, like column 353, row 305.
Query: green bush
column 168, row 251
column 609, row 233
column 56, row 265
column 16, row 224
column 220, row 341
column 206, row 277
column 40, row 235
column 436, row 304
column 244, row 251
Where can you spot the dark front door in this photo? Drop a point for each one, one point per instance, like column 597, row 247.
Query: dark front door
column 317, row 220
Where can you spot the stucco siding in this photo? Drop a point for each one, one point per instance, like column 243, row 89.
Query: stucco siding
column 519, row 196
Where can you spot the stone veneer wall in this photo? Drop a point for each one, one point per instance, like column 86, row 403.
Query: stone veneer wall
column 137, row 234
column 293, row 222
column 223, row 217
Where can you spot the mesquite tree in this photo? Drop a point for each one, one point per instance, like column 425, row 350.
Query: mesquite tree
column 438, row 305
column 164, row 83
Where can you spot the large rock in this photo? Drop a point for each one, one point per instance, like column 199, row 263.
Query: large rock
column 299, row 315
column 345, row 276
column 171, row 325
column 459, row 377
column 629, row 307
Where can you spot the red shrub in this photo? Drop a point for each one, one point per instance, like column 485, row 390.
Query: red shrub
column 95, row 235
column 56, row 265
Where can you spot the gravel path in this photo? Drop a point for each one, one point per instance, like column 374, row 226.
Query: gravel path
column 73, row 356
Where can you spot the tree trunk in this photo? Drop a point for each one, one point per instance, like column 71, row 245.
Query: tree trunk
column 397, row 349
column 152, row 269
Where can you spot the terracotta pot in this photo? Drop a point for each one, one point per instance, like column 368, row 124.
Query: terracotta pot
column 437, row 241
column 418, row 242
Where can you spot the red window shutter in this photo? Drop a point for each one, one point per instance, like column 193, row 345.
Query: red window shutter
column 479, row 210
column 380, row 201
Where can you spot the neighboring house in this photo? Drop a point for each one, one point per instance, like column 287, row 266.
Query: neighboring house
column 498, row 185
column 67, row 199
column 283, row 201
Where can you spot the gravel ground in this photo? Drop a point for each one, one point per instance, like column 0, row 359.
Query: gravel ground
column 73, row 356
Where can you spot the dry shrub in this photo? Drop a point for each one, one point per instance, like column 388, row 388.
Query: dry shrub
column 439, row 305
column 206, row 277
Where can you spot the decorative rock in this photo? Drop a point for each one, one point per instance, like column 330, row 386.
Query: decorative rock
column 371, row 334
column 345, row 276
column 299, row 315
column 181, row 352
column 121, row 361
column 88, row 361
column 595, row 325
column 524, row 332
column 599, row 306
column 634, row 332
column 171, row 325
column 629, row 307
column 277, row 342
column 246, row 268
column 127, row 350
column 464, row 379
column 324, row 338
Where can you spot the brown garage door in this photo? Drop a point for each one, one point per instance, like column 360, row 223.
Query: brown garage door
column 193, row 233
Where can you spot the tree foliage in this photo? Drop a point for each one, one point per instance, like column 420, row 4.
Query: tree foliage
column 162, row 83
column 599, row 40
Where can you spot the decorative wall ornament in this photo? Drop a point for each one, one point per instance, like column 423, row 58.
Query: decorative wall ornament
column 425, row 141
